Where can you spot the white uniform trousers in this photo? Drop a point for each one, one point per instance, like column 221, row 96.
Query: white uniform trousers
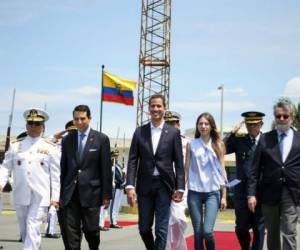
column 115, row 206
column 30, row 219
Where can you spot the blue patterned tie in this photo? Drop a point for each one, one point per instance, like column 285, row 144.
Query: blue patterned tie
column 80, row 148
column 281, row 143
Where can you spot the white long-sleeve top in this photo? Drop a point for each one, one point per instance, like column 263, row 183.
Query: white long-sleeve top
column 205, row 171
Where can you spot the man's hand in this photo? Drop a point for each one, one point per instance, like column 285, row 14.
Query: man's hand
column 237, row 127
column 55, row 204
column 252, row 203
column 131, row 196
column 177, row 196
column 106, row 203
column 1, row 189
column 60, row 134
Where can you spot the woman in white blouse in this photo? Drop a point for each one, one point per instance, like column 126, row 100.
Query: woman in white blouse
column 206, row 180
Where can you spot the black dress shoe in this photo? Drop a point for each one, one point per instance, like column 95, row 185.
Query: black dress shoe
column 103, row 228
column 116, row 226
column 52, row 236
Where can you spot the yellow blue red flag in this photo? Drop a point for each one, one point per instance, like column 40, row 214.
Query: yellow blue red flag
column 116, row 89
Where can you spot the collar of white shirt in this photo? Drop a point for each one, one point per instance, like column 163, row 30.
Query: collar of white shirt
column 85, row 132
column 256, row 138
column 287, row 132
column 158, row 127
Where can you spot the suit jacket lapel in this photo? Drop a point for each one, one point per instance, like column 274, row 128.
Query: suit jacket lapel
column 293, row 148
column 75, row 146
column 249, row 142
column 149, row 137
column 275, row 145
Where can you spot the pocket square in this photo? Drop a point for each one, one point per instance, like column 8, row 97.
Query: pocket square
column 92, row 150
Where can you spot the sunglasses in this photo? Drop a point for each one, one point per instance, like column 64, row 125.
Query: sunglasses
column 32, row 123
column 282, row 116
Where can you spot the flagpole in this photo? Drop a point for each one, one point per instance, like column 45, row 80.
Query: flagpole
column 101, row 102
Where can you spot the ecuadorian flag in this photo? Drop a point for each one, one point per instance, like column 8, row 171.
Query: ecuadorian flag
column 116, row 89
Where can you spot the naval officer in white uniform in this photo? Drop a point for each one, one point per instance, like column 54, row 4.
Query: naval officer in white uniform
column 34, row 164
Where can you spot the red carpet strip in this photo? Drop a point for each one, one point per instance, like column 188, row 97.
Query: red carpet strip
column 122, row 223
column 224, row 241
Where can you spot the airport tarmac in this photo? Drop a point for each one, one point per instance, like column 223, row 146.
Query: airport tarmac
column 126, row 239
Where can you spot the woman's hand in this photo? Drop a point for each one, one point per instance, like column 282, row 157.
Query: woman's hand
column 223, row 204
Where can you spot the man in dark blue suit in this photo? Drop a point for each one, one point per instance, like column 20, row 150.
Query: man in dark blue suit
column 86, row 181
column 243, row 146
column 155, row 152
column 276, row 169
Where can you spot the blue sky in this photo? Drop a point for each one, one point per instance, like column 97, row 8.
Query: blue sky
column 52, row 52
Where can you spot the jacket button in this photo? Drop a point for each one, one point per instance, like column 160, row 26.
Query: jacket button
column 79, row 171
column 282, row 167
column 75, row 181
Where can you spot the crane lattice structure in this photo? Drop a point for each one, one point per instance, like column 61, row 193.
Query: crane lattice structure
column 154, row 59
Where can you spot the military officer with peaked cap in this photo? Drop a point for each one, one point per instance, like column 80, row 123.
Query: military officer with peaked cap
column 34, row 163
column 177, row 220
column 243, row 146
column 118, row 192
column 173, row 118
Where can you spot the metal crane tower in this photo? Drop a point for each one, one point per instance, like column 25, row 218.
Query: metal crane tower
column 154, row 59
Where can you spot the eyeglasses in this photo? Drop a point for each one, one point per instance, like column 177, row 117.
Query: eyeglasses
column 33, row 123
column 282, row 116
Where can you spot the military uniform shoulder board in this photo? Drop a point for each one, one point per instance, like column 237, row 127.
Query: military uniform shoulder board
column 17, row 140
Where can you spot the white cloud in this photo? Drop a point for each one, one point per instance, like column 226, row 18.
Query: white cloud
column 292, row 87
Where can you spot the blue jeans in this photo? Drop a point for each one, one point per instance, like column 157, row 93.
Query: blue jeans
column 203, row 209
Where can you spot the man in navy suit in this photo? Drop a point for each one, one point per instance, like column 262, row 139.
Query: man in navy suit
column 86, row 181
column 155, row 153
column 276, row 169
column 244, row 146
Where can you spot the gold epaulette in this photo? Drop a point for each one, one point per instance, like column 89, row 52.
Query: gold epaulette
column 17, row 140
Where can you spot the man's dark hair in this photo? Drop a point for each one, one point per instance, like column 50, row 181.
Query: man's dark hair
column 155, row 96
column 83, row 108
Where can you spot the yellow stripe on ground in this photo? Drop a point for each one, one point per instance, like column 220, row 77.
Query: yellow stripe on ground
column 8, row 212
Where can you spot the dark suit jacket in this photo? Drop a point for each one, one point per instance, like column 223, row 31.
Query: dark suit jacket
column 142, row 160
column 92, row 174
column 243, row 149
column 269, row 169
